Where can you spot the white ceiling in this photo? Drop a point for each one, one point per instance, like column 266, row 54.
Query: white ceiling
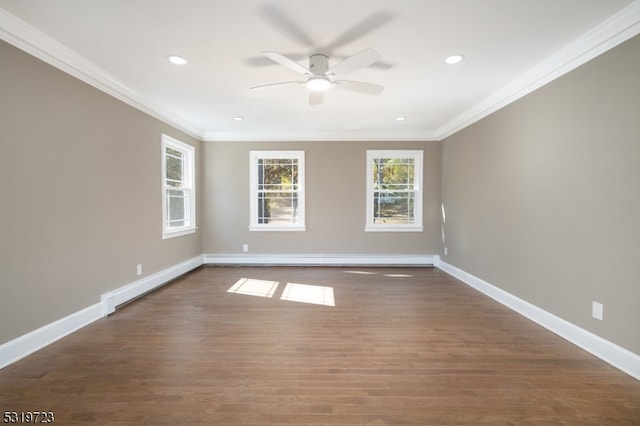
column 510, row 46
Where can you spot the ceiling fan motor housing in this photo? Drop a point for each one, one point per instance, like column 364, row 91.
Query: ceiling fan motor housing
column 319, row 77
column 318, row 64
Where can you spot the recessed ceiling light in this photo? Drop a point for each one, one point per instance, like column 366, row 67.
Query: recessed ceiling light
column 237, row 118
column 401, row 118
column 176, row 60
column 453, row 59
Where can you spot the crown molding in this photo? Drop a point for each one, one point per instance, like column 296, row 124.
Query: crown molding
column 25, row 37
column 328, row 136
column 610, row 33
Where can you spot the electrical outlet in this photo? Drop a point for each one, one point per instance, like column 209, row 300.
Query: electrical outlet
column 597, row 311
column 245, row 248
column 139, row 269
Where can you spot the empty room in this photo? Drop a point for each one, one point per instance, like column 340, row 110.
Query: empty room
column 291, row 212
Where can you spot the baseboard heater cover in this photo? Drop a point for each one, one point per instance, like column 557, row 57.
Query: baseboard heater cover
column 39, row 338
column 127, row 293
column 320, row 260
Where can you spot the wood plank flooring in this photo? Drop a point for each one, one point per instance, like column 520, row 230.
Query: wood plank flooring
column 410, row 346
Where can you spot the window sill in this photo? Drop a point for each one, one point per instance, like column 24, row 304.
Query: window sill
column 277, row 228
column 178, row 233
column 393, row 228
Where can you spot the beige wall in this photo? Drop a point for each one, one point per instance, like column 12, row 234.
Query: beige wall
column 80, row 195
column 542, row 198
column 335, row 201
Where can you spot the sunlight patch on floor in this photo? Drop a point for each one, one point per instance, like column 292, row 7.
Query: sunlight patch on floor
column 305, row 293
column 253, row 287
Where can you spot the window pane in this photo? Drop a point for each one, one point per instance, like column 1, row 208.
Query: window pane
column 393, row 186
column 178, row 195
column 174, row 165
column 174, row 152
column 177, row 201
column 277, row 207
column 277, row 174
column 393, row 207
column 277, row 186
column 394, row 197
column 393, row 173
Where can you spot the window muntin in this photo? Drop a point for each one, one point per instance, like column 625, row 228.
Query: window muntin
column 277, row 191
column 178, row 196
column 394, row 196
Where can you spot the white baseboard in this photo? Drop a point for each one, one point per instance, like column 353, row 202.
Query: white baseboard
column 112, row 299
column 35, row 340
column 29, row 343
column 320, row 259
column 611, row 353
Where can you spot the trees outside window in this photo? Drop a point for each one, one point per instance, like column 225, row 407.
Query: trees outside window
column 394, row 190
column 277, row 191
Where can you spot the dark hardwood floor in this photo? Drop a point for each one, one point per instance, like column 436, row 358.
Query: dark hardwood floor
column 400, row 346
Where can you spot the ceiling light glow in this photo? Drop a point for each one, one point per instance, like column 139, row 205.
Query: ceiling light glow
column 237, row 118
column 318, row 84
column 454, row 59
column 401, row 118
column 176, row 60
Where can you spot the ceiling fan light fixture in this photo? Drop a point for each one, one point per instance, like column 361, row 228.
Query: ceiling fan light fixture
column 318, row 84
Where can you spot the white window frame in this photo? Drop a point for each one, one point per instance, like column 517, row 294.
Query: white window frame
column 417, row 156
column 254, row 157
column 187, row 186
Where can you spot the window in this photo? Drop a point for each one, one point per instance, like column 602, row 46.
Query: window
column 277, row 191
column 178, row 196
column 394, row 194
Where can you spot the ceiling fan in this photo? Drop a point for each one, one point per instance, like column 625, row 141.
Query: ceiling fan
column 319, row 77
column 284, row 23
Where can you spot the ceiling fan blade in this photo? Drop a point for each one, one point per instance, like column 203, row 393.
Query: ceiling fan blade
column 361, row 29
column 316, row 98
column 263, row 61
column 286, row 62
column 361, row 59
column 276, row 84
column 359, row 86
column 287, row 26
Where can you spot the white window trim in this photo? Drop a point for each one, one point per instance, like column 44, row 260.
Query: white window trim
column 417, row 156
column 254, row 156
column 190, row 185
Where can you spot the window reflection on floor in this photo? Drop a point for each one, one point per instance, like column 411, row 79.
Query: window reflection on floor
column 293, row 292
column 305, row 293
column 253, row 287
